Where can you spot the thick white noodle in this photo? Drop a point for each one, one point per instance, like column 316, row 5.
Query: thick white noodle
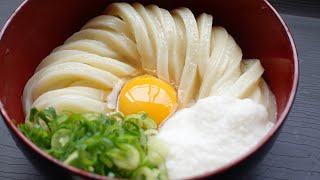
column 79, row 104
column 90, row 46
column 63, row 75
column 233, row 70
column 198, row 59
column 180, row 50
column 105, row 22
column 116, row 41
column 113, row 66
column 189, row 83
column 162, row 45
column 175, row 64
column 268, row 100
column 129, row 15
column 247, row 81
column 205, row 26
column 160, row 52
column 217, row 62
column 47, row 98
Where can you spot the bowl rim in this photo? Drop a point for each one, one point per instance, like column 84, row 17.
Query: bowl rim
column 270, row 134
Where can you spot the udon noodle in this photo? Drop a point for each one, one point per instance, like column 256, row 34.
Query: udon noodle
column 199, row 59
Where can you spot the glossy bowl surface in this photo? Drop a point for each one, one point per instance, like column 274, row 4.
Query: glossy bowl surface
column 37, row 27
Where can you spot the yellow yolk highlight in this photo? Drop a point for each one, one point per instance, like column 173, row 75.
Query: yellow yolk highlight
column 149, row 94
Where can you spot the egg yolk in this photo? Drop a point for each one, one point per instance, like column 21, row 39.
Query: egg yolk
column 149, row 94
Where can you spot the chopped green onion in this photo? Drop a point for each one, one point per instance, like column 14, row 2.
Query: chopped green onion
column 125, row 157
column 60, row 139
column 142, row 120
column 115, row 146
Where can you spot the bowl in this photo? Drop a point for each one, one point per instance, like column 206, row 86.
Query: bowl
column 37, row 27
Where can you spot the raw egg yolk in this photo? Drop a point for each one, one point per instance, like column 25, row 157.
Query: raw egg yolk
column 149, row 94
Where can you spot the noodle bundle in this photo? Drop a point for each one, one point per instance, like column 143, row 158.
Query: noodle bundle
column 199, row 59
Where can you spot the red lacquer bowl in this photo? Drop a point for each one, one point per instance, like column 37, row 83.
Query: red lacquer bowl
column 37, row 27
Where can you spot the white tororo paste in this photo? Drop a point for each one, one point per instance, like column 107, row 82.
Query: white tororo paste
column 212, row 133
